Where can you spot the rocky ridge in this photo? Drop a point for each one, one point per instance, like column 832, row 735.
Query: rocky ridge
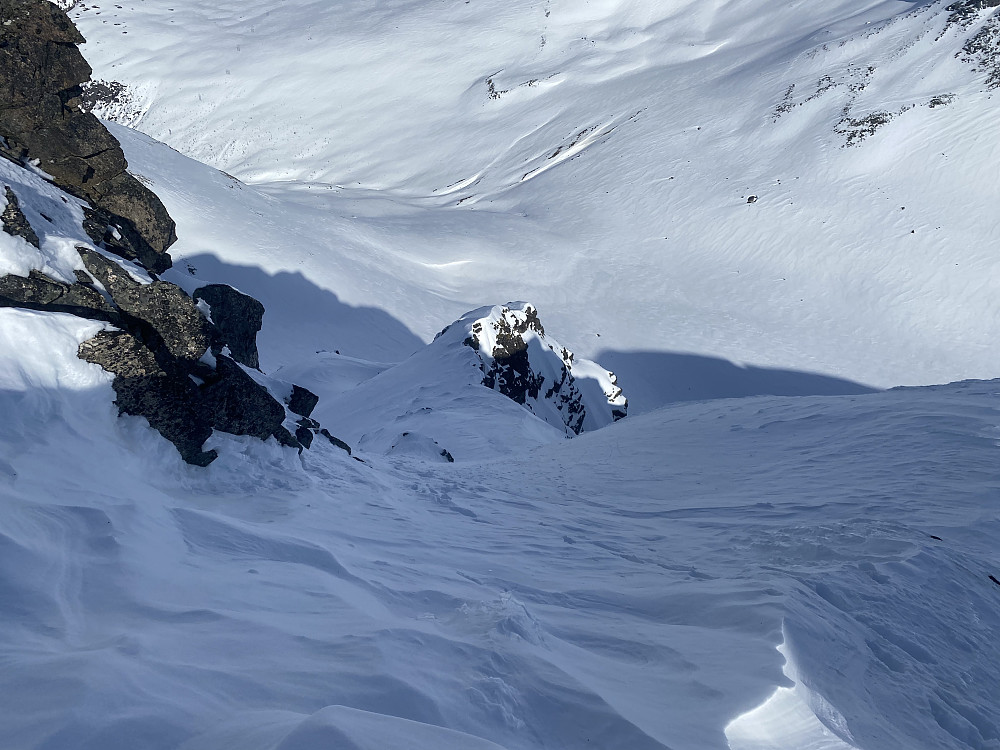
column 42, row 125
column 82, row 236
column 520, row 361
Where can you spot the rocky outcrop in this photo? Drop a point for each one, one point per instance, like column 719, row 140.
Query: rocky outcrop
column 518, row 360
column 180, row 362
column 41, row 124
column 239, row 318
column 163, row 312
column 38, row 292
column 170, row 368
column 14, row 222
column 170, row 361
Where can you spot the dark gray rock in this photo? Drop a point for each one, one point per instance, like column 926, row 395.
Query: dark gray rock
column 304, row 435
column 121, row 353
column 335, row 441
column 170, row 402
column 163, row 310
column 240, row 406
column 302, row 401
column 41, row 70
column 238, row 317
column 510, row 372
column 539, row 379
column 14, row 221
column 185, row 401
column 39, row 292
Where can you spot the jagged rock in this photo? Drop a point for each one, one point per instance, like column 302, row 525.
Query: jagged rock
column 166, row 356
column 170, row 402
column 335, row 441
column 302, row 401
column 183, row 400
column 41, row 70
column 164, row 309
column 964, row 12
column 240, row 406
column 304, row 435
column 14, row 221
column 39, row 292
column 521, row 362
column 238, row 317
column 121, row 353
column 172, row 408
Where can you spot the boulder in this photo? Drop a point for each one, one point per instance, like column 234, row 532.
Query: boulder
column 238, row 317
column 170, row 402
column 163, row 310
column 302, row 401
column 239, row 406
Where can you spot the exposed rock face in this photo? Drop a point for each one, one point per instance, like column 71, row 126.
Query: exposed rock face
column 166, row 355
column 239, row 318
column 164, row 310
column 182, row 397
column 964, row 12
column 41, row 70
column 169, row 401
column 38, row 292
column 14, row 221
column 521, row 362
column 302, row 401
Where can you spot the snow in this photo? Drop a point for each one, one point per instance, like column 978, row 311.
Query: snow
column 765, row 555
column 56, row 218
column 628, row 587
column 426, row 158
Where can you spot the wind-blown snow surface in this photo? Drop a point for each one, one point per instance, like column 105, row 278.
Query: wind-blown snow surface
column 597, row 158
column 626, row 589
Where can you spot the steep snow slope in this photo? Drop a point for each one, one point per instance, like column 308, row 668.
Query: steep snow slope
column 626, row 589
column 597, row 159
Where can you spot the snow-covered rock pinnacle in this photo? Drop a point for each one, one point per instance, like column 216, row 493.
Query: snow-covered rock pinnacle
column 521, row 362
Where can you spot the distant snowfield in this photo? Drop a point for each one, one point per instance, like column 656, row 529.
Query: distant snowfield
column 625, row 590
column 595, row 158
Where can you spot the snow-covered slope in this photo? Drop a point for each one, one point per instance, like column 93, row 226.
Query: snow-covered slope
column 597, row 158
column 626, row 589
column 763, row 573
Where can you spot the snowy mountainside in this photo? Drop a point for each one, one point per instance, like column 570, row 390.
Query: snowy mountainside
column 761, row 573
column 626, row 589
column 563, row 153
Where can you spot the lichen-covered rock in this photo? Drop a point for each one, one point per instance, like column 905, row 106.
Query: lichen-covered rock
column 39, row 292
column 238, row 317
column 121, row 353
column 14, row 221
column 168, row 312
column 170, row 402
column 521, row 362
column 184, row 400
column 41, row 122
column 169, row 360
